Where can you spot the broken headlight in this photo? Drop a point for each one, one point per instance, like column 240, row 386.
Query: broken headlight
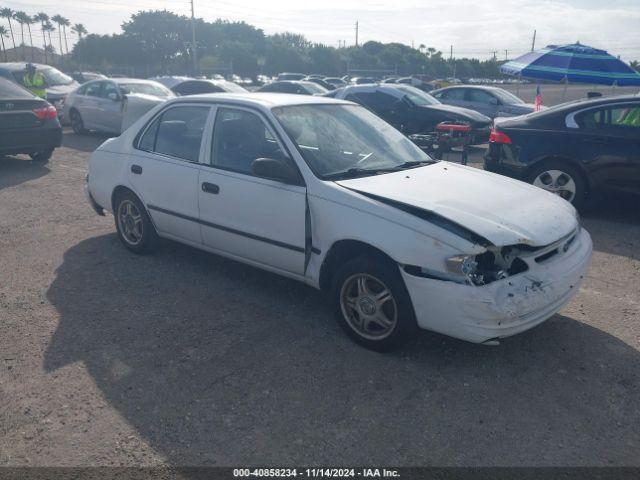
column 494, row 264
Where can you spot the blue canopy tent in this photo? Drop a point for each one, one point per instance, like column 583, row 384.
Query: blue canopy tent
column 573, row 63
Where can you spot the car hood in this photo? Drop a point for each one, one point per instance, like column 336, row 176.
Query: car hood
column 502, row 210
column 459, row 112
column 61, row 90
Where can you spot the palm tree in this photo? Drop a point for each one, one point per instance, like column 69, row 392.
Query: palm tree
column 43, row 18
column 59, row 19
column 29, row 21
column 48, row 27
column 8, row 14
column 3, row 33
column 22, row 18
column 79, row 30
column 65, row 23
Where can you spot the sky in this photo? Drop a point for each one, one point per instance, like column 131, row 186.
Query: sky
column 475, row 28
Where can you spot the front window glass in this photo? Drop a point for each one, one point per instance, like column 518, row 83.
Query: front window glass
column 239, row 138
column 626, row 117
column 339, row 141
column 416, row 96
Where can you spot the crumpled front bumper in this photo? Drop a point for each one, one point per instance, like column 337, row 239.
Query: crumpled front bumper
column 505, row 307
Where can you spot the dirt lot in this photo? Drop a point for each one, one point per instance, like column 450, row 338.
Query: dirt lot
column 185, row 358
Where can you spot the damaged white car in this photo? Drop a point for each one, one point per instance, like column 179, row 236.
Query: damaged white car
column 325, row 192
column 112, row 105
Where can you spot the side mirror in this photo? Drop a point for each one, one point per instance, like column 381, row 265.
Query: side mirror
column 275, row 169
column 113, row 96
column 494, row 101
column 124, row 90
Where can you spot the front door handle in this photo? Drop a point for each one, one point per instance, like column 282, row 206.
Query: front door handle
column 210, row 188
column 137, row 169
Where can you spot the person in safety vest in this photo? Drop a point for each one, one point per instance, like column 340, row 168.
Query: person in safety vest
column 34, row 81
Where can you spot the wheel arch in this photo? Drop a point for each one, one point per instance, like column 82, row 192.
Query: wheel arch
column 343, row 250
column 123, row 188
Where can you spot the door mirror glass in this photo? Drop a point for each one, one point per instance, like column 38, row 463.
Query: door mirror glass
column 275, row 169
column 113, row 96
column 494, row 101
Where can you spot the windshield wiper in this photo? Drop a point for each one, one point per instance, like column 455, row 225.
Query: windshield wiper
column 356, row 171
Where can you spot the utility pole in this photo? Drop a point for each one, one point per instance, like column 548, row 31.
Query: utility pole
column 194, row 46
column 533, row 42
column 506, row 54
column 495, row 55
column 356, row 33
column 451, row 54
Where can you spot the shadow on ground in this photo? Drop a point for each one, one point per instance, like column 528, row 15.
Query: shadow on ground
column 86, row 142
column 19, row 169
column 214, row 362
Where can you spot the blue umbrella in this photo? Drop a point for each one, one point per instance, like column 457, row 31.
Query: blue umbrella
column 573, row 64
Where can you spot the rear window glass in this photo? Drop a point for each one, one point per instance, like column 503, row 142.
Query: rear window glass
column 8, row 89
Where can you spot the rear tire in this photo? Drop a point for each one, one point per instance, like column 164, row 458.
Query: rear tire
column 134, row 226
column 76, row 122
column 372, row 304
column 43, row 156
column 562, row 179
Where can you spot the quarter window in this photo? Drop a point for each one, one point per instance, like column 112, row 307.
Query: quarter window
column 239, row 138
column 177, row 132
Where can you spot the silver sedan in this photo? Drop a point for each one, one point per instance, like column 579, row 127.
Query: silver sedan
column 490, row 101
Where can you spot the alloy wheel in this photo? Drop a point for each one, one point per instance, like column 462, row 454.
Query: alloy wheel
column 130, row 222
column 557, row 182
column 368, row 306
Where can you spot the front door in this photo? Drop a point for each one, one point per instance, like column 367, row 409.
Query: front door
column 241, row 215
column 110, row 107
column 164, row 170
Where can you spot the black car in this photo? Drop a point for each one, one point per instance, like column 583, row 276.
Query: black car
column 573, row 148
column 413, row 111
column 294, row 86
column 195, row 86
column 321, row 82
column 28, row 124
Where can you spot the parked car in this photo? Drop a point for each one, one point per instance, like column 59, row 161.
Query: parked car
column 294, row 86
column 327, row 193
column 490, row 101
column 84, row 77
column 319, row 81
column 335, row 81
column 111, row 105
column 28, row 124
column 412, row 111
column 363, row 80
column 195, row 86
column 57, row 84
column 290, row 76
column 572, row 148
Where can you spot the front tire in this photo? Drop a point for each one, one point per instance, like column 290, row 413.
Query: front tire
column 562, row 179
column 43, row 156
column 372, row 303
column 76, row 122
column 135, row 229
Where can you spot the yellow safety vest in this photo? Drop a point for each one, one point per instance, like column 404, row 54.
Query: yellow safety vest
column 35, row 84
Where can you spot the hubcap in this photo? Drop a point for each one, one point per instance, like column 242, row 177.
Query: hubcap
column 368, row 306
column 130, row 222
column 558, row 182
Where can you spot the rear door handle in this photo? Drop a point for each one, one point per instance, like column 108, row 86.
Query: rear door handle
column 210, row 188
column 137, row 169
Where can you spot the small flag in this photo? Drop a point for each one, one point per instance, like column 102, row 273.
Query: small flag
column 538, row 101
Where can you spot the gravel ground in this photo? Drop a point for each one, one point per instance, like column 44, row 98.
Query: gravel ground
column 186, row 358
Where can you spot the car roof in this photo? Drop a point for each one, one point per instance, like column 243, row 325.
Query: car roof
column 262, row 99
column 396, row 90
column 17, row 66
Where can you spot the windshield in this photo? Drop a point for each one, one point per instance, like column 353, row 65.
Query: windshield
column 339, row 141
column 147, row 89
column 507, row 98
column 314, row 87
column 55, row 77
column 416, row 96
column 233, row 87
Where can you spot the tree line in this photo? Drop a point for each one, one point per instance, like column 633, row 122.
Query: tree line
column 158, row 42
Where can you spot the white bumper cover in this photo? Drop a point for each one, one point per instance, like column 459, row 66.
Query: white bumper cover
column 505, row 307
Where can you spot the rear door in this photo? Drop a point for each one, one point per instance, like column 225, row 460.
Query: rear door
column 165, row 166
column 245, row 216
column 610, row 144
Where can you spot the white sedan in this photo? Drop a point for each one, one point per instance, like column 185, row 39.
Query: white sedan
column 323, row 191
column 111, row 105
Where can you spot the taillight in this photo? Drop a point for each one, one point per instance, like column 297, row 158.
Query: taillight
column 46, row 113
column 499, row 137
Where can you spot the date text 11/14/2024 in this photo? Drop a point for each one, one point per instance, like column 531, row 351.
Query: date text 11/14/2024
column 316, row 472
